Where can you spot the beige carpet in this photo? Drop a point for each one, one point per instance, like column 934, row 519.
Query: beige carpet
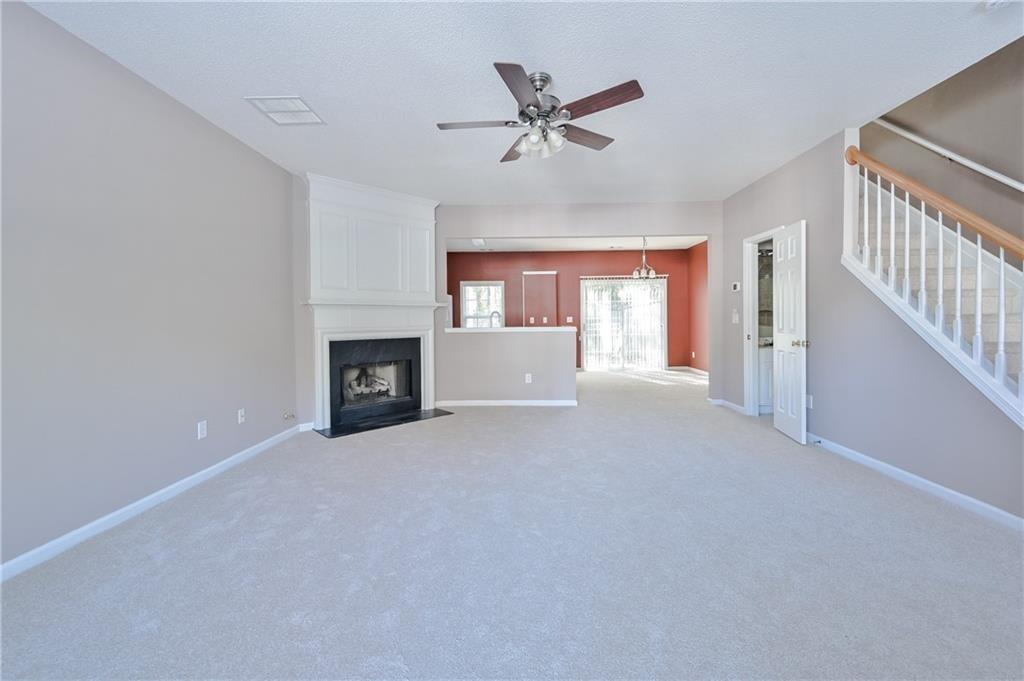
column 644, row 534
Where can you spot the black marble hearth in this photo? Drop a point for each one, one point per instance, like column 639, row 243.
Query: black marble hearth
column 375, row 383
column 376, row 422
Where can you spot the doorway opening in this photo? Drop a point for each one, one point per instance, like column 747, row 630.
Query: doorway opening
column 763, row 328
column 774, row 327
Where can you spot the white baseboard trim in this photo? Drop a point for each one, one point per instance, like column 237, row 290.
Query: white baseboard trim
column 686, row 368
column 303, row 427
column 726, row 403
column 962, row 500
column 506, row 403
column 40, row 554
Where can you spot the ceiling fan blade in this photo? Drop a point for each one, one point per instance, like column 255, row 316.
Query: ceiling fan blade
column 605, row 99
column 477, row 124
column 519, row 83
column 511, row 154
column 586, row 137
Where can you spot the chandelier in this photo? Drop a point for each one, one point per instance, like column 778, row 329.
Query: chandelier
column 645, row 271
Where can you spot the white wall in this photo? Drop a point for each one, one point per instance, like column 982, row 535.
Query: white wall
column 146, row 285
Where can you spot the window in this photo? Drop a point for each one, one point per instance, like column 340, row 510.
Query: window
column 483, row 304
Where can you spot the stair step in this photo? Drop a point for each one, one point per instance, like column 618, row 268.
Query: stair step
column 1013, row 354
column 989, row 326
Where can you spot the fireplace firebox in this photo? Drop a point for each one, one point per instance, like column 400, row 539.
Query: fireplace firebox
column 375, row 382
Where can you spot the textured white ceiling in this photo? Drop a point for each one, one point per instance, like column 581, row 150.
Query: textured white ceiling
column 732, row 90
column 585, row 243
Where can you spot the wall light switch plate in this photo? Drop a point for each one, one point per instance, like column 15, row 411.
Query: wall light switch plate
column 241, row 415
column 810, row 401
column 735, row 316
column 201, row 430
column 568, row 320
column 528, row 378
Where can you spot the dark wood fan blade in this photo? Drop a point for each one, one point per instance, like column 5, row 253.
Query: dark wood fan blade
column 586, row 137
column 477, row 124
column 605, row 99
column 519, row 83
column 511, row 154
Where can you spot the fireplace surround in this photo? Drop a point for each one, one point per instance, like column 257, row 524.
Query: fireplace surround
column 373, row 377
column 374, row 383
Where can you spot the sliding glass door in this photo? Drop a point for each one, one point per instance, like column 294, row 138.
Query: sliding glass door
column 624, row 323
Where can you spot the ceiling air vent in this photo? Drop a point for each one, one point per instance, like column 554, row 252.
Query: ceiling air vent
column 286, row 110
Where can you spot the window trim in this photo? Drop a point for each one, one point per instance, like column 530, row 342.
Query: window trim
column 462, row 298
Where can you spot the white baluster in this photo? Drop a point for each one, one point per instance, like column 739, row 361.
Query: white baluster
column 957, row 324
column 1020, row 373
column 977, row 343
column 906, row 247
column 866, row 255
column 940, row 289
column 892, row 235
column 878, row 229
column 922, row 292
column 1000, row 368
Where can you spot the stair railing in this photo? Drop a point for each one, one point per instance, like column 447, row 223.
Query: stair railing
column 922, row 204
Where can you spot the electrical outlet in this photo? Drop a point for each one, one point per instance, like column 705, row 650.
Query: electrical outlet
column 568, row 320
column 241, row 415
column 288, row 415
column 531, row 320
column 528, row 378
column 543, row 320
column 201, row 430
column 810, row 401
column 693, row 355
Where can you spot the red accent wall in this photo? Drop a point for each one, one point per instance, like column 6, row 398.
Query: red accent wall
column 698, row 272
column 571, row 265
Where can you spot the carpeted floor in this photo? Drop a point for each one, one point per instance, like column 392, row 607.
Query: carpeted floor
column 644, row 534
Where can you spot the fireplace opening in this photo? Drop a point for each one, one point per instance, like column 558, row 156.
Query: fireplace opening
column 375, row 382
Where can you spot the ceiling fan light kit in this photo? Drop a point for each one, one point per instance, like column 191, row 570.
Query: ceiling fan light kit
column 545, row 115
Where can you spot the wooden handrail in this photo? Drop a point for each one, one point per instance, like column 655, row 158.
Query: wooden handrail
column 949, row 208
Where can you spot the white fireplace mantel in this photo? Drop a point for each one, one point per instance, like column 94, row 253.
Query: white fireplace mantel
column 371, row 266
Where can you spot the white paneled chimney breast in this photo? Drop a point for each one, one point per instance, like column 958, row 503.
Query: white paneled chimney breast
column 371, row 266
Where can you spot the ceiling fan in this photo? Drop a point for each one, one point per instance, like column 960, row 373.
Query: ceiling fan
column 546, row 117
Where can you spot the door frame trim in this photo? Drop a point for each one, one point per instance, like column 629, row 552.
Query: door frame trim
column 750, row 359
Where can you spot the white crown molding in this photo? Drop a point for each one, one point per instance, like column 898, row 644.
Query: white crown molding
column 40, row 554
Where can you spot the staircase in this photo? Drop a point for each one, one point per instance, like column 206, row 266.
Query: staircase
column 953, row 277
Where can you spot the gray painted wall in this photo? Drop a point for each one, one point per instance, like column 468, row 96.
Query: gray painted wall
column 146, row 285
column 651, row 219
column 878, row 387
column 550, row 356
column 978, row 113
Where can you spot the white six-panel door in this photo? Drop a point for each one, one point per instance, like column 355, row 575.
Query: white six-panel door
column 790, row 333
